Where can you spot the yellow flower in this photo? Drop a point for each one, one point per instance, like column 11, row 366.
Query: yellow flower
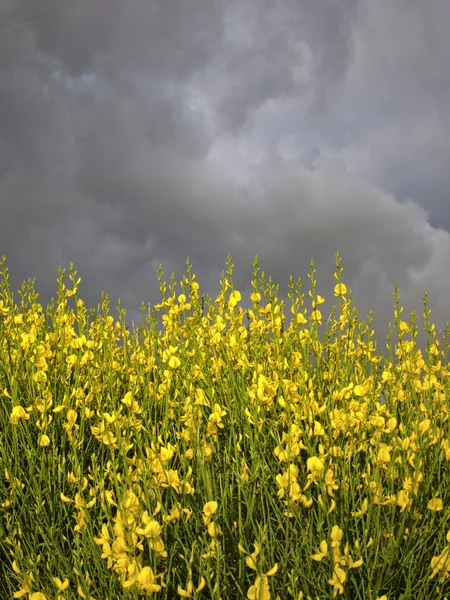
column 214, row 529
column 338, row 579
column 61, row 585
column 188, row 593
column 441, row 563
column 44, row 441
column 152, row 529
column 146, row 580
column 105, row 537
column 323, row 552
column 260, row 589
column 316, row 315
column 314, row 464
column 18, row 412
column 424, row 426
column 340, row 289
column 200, row 398
column 3, row 308
column 234, row 298
column 167, row 453
column 174, row 362
column 210, row 508
column 336, row 533
column 364, row 507
column 435, row 504
column 251, row 560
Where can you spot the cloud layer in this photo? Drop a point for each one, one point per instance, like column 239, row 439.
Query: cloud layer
column 146, row 133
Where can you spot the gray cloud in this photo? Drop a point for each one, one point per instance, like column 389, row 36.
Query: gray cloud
column 152, row 132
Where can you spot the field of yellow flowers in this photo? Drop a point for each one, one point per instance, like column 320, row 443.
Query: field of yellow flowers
column 224, row 456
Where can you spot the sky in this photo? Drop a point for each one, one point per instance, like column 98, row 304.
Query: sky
column 148, row 132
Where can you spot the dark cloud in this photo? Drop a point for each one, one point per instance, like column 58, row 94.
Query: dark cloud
column 170, row 38
column 138, row 133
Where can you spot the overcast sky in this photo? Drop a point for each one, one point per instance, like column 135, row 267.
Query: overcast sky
column 145, row 132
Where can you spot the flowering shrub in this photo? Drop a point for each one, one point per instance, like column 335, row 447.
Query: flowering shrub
column 219, row 458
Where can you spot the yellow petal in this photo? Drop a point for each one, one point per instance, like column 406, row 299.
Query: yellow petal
column 61, row 585
column 201, row 585
column 272, row 571
column 210, row 508
column 183, row 593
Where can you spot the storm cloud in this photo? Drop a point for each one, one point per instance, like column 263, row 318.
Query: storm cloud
column 140, row 133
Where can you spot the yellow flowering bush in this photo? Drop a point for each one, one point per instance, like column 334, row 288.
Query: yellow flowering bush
column 149, row 463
